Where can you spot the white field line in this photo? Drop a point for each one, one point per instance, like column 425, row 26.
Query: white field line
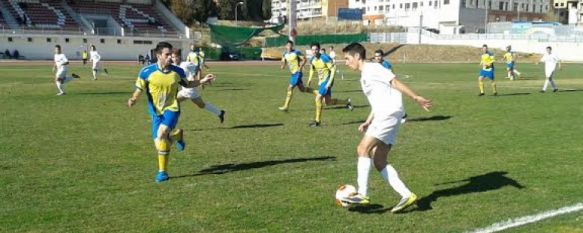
column 529, row 219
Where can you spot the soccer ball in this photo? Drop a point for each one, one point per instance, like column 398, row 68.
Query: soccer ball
column 343, row 192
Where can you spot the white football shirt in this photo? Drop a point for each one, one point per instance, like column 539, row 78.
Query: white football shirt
column 60, row 60
column 95, row 57
column 383, row 98
column 550, row 61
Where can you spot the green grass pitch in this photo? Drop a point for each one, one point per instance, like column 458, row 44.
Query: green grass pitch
column 85, row 162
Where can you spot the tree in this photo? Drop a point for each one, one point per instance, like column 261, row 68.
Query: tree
column 201, row 10
column 266, row 9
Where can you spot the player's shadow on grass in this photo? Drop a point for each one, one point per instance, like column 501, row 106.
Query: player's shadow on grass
column 514, row 94
column 370, row 209
column 347, row 91
column 231, row 89
column 234, row 167
column 344, row 107
column 107, row 93
column 251, row 126
column 431, row 118
column 476, row 184
column 569, row 90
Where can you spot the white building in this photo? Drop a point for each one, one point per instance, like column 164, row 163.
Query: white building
column 449, row 16
column 307, row 9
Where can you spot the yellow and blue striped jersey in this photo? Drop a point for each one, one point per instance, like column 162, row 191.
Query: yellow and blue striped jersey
column 487, row 61
column 324, row 67
column 293, row 59
column 509, row 56
column 161, row 87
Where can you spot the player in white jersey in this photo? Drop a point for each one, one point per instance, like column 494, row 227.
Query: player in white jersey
column 192, row 72
column 383, row 91
column 551, row 60
column 96, row 59
column 332, row 54
column 60, row 69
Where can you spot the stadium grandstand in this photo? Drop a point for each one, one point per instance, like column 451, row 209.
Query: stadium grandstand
column 121, row 28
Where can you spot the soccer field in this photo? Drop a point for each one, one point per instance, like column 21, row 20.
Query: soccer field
column 85, row 162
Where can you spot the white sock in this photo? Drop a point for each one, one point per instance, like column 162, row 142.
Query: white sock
column 212, row 109
column 363, row 169
column 94, row 75
column 516, row 72
column 390, row 175
column 553, row 84
column 546, row 84
column 59, row 86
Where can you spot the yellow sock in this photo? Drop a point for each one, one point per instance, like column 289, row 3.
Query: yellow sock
column 318, row 110
column 288, row 99
column 481, row 84
column 163, row 153
column 494, row 87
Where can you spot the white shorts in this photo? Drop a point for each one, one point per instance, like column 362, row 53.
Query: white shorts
column 385, row 129
column 61, row 74
column 189, row 93
column 95, row 65
column 549, row 74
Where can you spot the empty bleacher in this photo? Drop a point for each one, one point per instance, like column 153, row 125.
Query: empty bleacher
column 41, row 14
column 135, row 18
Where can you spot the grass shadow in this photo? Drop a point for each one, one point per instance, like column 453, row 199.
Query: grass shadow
column 369, row 209
column 232, row 89
column 106, row 93
column 431, row 118
column 251, row 126
column 347, row 91
column 476, row 184
column 235, row 167
column 344, row 106
column 569, row 90
column 513, row 94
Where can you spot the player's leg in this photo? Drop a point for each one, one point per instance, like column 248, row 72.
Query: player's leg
column 363, row 166
column 319, row 105
column 481, row 84
column 198, row 101
column 493, row 82
column 390, row 175
column 59, row 82
column 548, row 76
column 288, row 98
column 552, row 82
column 334, row 101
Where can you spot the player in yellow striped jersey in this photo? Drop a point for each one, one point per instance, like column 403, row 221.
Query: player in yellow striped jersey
column 160, row 82
column 487, row 71
column 322, row 64
column 510, row 59
column 295, row 61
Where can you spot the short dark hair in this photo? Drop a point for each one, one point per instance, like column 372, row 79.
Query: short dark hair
column 92, row 47
column 484, row 46
column 58, row 46
column 379, row 51
column 549, row 47
column 315, row 44
column 355, row 48
column 290, row 42
column 163, row 45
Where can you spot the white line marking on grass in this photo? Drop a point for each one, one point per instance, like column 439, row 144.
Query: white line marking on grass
column 529, row 219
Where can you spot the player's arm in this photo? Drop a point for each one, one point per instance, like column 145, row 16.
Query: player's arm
column 283, row 62
column 312, row 70
column 364, row 126
column 195, row 83
column 64, row 61
column 303, row 61
column 134, row 98
column 424, row 103
column 332, row 69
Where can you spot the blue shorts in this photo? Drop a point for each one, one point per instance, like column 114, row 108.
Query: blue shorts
column 489, row 74
column 296, row 79
column 510, row 66
column 323, row 91
column 168, row 118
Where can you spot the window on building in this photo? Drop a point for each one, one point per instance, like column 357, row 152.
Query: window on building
column 84, row 40
column 421, row 4
column 102, row 41
column 400, row 5
column 435, row 4
column 381, row 8
column 445, row 2
column 49, row 40
column 66, row 40
column 430, row 3
column 414, row 5
column 29, row 39
column 407, row 6
column 515, row 7
column 9, row 39
column 501, row 6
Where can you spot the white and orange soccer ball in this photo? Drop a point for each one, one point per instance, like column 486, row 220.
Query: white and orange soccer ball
column 343, row 192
